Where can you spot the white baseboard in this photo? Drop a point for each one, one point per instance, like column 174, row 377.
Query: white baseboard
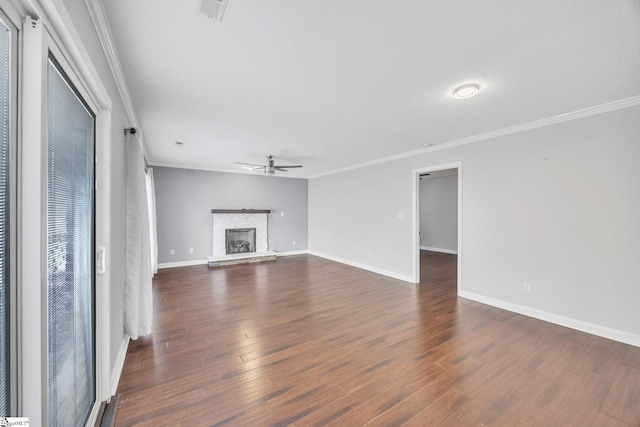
column 444, row 251
column 182, row 263
column 117, row 369
column 304, row 252
column 364, row 267
column 579, row 325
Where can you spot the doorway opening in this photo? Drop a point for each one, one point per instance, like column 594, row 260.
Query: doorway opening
column 437, row 215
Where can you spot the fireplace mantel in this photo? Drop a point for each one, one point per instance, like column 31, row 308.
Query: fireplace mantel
column 240, row 211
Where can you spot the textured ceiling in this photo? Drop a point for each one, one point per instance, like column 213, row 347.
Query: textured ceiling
column 333, row 83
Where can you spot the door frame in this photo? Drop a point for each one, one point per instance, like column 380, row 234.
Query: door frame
column 9, row 17
column 415, row 240
column 39, row 36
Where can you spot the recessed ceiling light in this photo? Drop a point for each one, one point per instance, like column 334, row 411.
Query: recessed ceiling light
column 426, row 145
column 466, row 91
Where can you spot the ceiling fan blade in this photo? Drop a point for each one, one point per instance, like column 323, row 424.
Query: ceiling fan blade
column 253, row 166
column 270, row 167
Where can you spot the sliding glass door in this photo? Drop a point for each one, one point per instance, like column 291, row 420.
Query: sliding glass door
column 70, row 252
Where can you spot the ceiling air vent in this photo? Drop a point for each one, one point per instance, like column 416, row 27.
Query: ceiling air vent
column 212, row 8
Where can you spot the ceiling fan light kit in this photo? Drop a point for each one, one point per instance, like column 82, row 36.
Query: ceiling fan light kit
column 270, row 168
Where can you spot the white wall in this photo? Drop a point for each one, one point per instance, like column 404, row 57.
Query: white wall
column 439, row 213
column 556, row 206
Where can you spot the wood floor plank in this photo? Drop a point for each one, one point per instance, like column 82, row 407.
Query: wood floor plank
column 545, row 405
column 555, row 360
column 603, row 420
column 623, row 400
column 584, row 406
column 610, row 359
column 363, row 392
column 632, row 357
column 383, row 401
column 439, row 410
column 304, row 341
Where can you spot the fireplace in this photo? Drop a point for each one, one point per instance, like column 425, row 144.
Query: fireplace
column 240, row 236
column 240, row 240
column 240, row 219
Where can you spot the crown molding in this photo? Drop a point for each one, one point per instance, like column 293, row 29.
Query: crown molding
column 208, row 169
column 101, row 23
column 585, row 112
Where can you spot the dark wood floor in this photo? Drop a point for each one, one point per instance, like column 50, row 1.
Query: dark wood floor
column 305, row 341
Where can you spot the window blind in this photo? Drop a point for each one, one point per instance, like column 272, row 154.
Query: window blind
column 70, row 249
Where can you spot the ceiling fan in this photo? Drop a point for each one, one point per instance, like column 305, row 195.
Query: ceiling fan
column 270, row 167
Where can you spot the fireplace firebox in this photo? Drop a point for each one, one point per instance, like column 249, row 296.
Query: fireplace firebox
column 240, row 240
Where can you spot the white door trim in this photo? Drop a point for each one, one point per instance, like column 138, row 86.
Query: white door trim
column 39, row 37
column 32, row 332
column 415, row 224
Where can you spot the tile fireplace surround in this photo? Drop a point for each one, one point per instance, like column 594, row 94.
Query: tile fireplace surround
column 224, row 219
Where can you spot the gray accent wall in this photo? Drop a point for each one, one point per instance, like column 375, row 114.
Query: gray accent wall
column 185, row 197
column 439, row 213
column 557, row 207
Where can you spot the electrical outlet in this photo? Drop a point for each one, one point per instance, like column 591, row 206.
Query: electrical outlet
column 526, row 286
column 294, row 243
column 281, row 213
column 172, row 252
column 190, row 250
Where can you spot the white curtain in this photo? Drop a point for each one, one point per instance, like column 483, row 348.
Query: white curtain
column 153, row 233
column 138, row 292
